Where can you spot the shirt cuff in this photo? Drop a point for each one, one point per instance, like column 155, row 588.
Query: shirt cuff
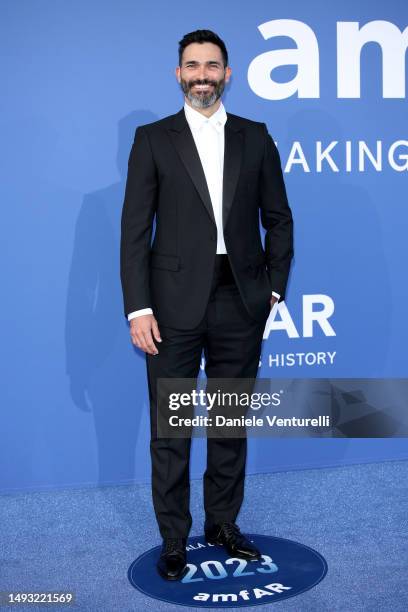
column 276, row 294
column 139, row 313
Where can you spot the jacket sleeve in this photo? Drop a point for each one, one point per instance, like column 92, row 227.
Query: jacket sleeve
column 138, row 212
column 276, row 217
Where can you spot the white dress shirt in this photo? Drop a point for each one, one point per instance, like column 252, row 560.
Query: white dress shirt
column 208, row 134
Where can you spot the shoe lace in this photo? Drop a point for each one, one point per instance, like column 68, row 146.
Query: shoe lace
column 173, row 545
column 229, row 530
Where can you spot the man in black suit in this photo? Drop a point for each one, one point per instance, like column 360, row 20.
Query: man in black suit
column 205, row 282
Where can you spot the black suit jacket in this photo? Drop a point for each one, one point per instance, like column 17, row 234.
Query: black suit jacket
column 173, row 274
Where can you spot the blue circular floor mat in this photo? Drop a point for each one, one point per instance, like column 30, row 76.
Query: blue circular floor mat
column 216, row 580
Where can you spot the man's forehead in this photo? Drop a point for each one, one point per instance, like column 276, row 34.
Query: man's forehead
column 202, row 51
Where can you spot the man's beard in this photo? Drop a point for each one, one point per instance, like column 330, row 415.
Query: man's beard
column 202, row 100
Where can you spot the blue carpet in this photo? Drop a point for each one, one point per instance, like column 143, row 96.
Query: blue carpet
column 84, row 540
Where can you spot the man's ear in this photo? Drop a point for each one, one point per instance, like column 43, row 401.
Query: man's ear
column 177, row 73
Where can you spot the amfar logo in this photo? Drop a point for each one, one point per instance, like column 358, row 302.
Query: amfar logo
column 350, row 41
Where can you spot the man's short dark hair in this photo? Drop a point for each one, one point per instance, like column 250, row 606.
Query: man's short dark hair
column 202, row 36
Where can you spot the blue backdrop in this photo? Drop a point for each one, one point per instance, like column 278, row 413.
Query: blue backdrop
column 77, row 78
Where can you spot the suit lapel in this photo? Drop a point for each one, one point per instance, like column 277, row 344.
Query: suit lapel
column 183, row 141
column 232, row 165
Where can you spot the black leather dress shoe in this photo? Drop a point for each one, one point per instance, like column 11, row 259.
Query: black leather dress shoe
column 172, row 561
column 229, row 536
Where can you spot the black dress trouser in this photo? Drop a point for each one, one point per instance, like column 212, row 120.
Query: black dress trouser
column 231, row 341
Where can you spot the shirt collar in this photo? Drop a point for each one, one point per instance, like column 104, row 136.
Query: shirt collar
column 196, row 119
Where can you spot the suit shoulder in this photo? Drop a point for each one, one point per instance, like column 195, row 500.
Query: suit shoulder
column 164, row 122
column 245, row 122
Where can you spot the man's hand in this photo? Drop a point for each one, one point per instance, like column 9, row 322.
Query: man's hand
column 142, row 331
column 273, row 301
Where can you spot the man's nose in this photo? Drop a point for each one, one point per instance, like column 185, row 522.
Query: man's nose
column 202, row 73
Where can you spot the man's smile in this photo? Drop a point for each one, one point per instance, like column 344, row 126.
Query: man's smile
column 202, row 87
